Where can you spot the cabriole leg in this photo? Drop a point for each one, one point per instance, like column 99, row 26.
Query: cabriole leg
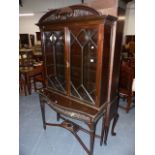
column 114, row 124
column 102, row 132
column 106, row 131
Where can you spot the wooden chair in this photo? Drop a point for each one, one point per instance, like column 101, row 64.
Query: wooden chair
column 39, row 78
column 127, row 75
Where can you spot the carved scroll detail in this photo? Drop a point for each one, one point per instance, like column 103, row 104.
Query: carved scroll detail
column 68, row 13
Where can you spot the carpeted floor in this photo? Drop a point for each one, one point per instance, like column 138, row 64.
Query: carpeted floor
column 58, row 141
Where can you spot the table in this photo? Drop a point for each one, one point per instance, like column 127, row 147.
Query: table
column 29, row 73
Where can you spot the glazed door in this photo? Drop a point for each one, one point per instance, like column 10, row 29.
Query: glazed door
column 55, row 59
column 83, row 63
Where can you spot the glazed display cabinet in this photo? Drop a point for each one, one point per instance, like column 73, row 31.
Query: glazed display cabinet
column 78, row 64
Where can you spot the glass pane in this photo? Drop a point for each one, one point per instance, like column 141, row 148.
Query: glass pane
column 55, row 60
column 83, row 57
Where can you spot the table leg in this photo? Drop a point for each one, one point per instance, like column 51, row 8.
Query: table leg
column 92, row 127
column 28, row 84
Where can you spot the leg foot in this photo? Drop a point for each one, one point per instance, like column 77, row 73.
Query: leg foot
column 58, row 116
column 114, row 124
column 106, row 135
column 102, row 132
column 42, row 106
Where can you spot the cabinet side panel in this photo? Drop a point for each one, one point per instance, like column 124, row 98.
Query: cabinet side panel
column 105, row 63
column 118, row 46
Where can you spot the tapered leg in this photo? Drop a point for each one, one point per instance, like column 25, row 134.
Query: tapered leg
column 92, row 127
column 106, row 131
column 42, row 106
column 114, row 124
column 102, row 132
column 58, row 116
column 106, row 125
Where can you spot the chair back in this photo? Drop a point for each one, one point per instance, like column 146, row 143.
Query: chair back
column 127, row 75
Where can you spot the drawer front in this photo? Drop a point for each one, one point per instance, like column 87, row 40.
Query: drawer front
column 67, row 103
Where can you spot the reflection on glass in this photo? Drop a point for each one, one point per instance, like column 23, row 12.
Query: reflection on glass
column 55, row 60
column 83, row 58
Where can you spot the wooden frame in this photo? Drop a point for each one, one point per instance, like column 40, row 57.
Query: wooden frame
column 76, row 30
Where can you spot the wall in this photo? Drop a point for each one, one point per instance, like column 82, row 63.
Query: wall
column 38, row 7
column 129, row 28
column 27, row 24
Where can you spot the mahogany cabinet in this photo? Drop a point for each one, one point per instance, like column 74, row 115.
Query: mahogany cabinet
column 76, row 44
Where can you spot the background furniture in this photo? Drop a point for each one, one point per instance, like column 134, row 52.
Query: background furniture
column 26, row 40
column 29, row 76
column 127, row 72
column 79, row 65
column 128, row 50
column 129, row 38
column 38, row 36
column 37, row 53
column 127, row 75
column 32, row 38
column 30, row 70
column 25, row 57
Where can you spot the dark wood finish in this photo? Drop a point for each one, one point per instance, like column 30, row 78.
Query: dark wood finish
column 127, row 74
column 99, row 65
column 113, row 91
column 128, row 50
column 79, row 63
column 129, row 38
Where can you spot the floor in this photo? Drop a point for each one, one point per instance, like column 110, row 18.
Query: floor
column 34, row 140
